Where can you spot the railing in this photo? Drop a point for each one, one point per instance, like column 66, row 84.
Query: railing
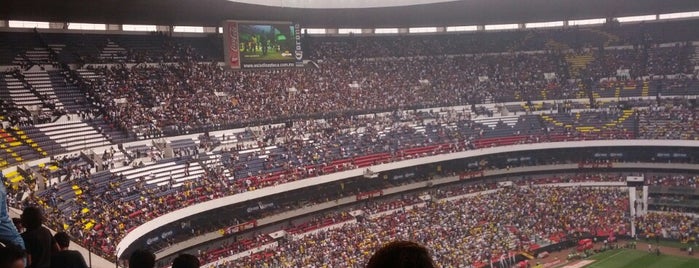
column 180, row 214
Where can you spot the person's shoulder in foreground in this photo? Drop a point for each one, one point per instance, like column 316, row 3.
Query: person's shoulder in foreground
column 8, row 231
column 66, row 258
column 401, row 254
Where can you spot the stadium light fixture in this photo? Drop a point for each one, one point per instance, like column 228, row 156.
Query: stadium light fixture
column 422, row 30
column 87, row 26
column 495, row 27
column 138, row 28
column 680, row 15
column 28, row 24
column 314, row 31
column 587, row 22
column 188, row 29
column 637, row 18
column 349, row 31
column 462, row 28
column 386, row 30
column 543, row 24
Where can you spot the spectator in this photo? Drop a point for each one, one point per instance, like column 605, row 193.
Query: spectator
column 185, row 261
column 66, row 258
column 18, row 224
column 8, row 232
column 37, row 239
column 11, row 255
column 142, row 259
column 401, row 254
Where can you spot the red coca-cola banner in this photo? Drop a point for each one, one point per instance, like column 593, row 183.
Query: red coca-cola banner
column 239, row 228
column 230, row 44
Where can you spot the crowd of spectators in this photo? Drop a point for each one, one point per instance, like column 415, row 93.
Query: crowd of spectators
column 188, row 96
column 552, row 39
column 13, row 114
column 668, row 225
column 673, row 181
column 399, row 204
column 524, row 216
column 120, row 209
column 670, row 121
column 654, row 62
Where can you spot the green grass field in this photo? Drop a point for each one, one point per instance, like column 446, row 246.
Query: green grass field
column 640, row 259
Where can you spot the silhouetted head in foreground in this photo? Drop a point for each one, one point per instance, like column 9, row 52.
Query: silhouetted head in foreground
column 142, row 259
column 185, row 261
column 62, row 239
column 401, row 254
column 32, row 218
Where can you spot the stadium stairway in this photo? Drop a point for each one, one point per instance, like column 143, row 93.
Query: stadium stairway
column 214, row 161
column 38, row 55
column 160, row 173
column 12, row 87
column 112, row 51
column 67, row 93
column 70, row 136
column 645, row 89
column 41, row 83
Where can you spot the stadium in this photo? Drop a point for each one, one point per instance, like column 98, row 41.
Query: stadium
column 311, row 133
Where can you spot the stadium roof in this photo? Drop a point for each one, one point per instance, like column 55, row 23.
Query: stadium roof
column 402, row 12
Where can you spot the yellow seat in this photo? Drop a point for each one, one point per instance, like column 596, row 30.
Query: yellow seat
column 16, row 179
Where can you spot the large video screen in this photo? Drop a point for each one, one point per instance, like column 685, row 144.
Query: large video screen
column 262, row 45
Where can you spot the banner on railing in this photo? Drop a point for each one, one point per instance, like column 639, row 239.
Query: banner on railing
column 238, row 228
column 368, row 195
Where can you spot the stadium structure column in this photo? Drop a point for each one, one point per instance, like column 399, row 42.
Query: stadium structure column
column 645, row 199
column 632, row 208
